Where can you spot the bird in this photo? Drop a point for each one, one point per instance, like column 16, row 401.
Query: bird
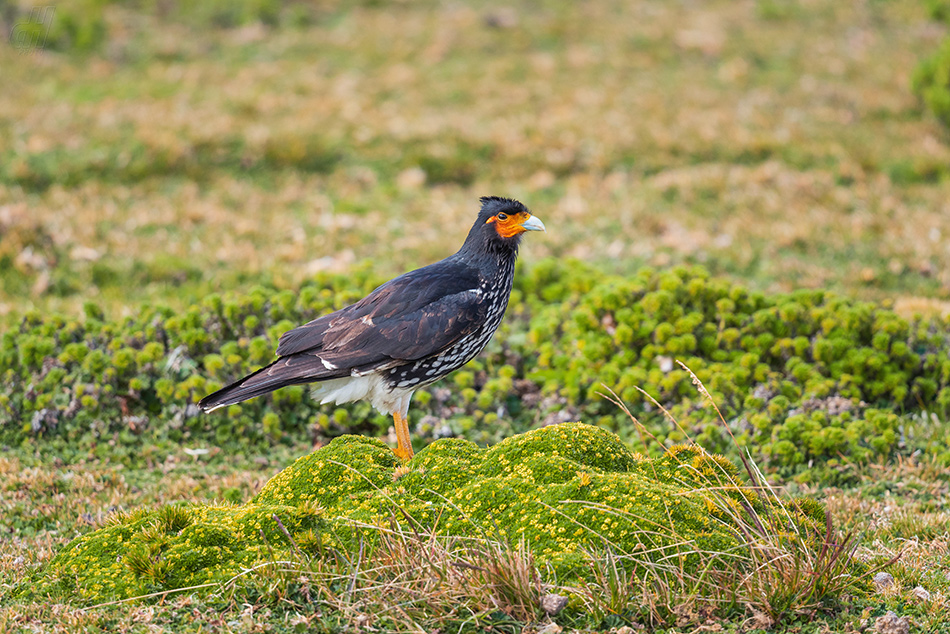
column 406, row 334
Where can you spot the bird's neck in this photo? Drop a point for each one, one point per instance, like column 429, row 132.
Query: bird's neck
column 494, row 262
column 480, row 248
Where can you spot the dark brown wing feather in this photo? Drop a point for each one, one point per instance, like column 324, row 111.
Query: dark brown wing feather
column 408, row 318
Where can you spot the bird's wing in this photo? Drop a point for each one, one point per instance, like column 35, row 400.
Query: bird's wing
column 408, row 318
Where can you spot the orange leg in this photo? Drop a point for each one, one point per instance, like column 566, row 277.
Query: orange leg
column 404, row 450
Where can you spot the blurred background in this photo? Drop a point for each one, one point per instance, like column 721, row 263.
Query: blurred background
column 159, row 150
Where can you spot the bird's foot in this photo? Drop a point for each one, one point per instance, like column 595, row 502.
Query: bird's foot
column 403, row 453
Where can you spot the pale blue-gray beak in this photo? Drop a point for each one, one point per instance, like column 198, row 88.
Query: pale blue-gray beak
column 533, row 223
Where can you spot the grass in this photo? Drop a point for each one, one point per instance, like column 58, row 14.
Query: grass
column 159, row 153
column 640, row 137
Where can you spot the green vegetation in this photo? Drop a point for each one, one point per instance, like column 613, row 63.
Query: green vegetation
column 931, row 82
column 808, row 382
column 938, row 10
column 803, row 377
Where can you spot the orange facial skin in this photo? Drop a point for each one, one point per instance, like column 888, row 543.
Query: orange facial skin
column 509, row 225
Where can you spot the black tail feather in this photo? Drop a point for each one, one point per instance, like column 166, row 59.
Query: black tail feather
column 291, row 370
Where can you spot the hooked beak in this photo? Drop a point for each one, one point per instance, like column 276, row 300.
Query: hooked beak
column 533, row 223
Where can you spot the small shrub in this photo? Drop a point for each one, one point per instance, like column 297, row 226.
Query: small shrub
column 801, row 378
column 938, row 10
column 931, row 82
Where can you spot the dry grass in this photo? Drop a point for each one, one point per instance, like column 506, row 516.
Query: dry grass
column 763, row 143
column 901, row 511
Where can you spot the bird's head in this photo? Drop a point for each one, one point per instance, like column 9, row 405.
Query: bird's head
column 500, row 225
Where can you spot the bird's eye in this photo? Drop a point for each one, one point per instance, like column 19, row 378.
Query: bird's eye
column 502, row 216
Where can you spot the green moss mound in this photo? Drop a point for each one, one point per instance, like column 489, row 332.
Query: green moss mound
column 172, row 547
column 562, row 490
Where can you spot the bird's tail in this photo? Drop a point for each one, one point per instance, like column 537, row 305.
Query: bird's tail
column 290, row 370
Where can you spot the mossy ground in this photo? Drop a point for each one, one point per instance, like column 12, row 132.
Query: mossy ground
column 170, row 548
column 564, row 491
